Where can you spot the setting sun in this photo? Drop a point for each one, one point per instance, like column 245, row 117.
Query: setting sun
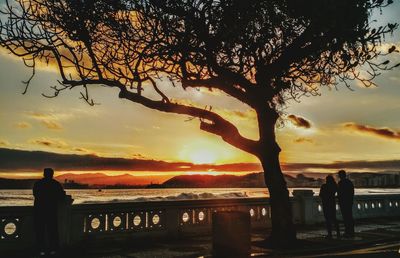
column 202, row 156
column 207, row 151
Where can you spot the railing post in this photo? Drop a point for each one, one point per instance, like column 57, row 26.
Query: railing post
column 303, row 209
column 64, row 221
column 172, row 222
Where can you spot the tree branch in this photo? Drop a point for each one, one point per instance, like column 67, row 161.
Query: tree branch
column 218, row 83
column 210, row 121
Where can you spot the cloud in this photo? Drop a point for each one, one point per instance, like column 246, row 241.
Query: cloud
column 83, row 150
column 299, row 121
column 4, row 143
column 303, row 140
column 51, row 143
column 381, row 132
column 46, row 116
column 50, row 121
column 51, row 125
column 246, row 114
column 23, row 125
column 59, row 144
column 22, row 160
column 138, row 156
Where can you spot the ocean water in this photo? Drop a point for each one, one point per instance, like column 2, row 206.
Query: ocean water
column 24, row 197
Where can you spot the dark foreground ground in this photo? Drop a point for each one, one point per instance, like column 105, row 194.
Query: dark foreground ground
column 374, row 238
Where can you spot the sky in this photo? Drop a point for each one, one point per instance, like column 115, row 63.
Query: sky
column 338, row 127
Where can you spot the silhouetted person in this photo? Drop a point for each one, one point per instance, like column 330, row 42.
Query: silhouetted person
column 48, row 194
column 327, row 194
column 346, row 196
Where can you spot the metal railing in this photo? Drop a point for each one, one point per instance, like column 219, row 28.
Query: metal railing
column 105, row 221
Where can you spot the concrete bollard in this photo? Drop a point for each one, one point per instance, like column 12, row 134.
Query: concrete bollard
column 303, row 212
column 231, row 233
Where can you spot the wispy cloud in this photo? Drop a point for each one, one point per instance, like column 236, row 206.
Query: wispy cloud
column 23, row 125
column 50, row 142
column 138, row 156
column 60, row 145
column 52, row 125
column 83, row 150
column 50, row 121
column 303, row 140
column 50, row 116
column 381, row 132
column 22, row 160
column 4, row 142
column 299, row 121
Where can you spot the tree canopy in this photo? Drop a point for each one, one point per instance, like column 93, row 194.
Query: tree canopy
column 256, row 51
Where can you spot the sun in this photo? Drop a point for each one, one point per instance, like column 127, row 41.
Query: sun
column 202, row 156
column 208, row 151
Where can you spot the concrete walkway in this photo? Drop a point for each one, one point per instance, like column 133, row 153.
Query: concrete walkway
column 372, row 237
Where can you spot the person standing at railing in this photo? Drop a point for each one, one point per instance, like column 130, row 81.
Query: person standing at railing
column 327, row 194
column 48, row 194
column 346, row 197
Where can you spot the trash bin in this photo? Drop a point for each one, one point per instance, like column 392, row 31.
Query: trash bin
column 231, row 234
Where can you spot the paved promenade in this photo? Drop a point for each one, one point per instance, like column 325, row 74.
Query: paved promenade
column 374, row 238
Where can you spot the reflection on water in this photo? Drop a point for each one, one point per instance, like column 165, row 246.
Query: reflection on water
column 24, row 197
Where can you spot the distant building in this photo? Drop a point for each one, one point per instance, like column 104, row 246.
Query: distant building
column 375, row 179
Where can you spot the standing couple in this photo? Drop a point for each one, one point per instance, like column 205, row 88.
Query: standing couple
column 345, row 194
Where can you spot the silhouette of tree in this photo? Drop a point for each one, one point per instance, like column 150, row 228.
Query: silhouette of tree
column 263, row 53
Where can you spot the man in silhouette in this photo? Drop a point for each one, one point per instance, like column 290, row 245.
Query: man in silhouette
column 48, row 194
column 346, row 196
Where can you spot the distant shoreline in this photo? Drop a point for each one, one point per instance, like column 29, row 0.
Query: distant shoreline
column 251, row 180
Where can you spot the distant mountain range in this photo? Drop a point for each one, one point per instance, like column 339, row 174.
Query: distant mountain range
column 95, row 180
column 246, row 181
column 199, row 181
column 103, row 179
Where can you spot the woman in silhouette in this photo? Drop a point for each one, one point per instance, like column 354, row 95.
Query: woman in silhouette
column 327, row 194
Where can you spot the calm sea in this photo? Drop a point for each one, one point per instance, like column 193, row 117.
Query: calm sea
column 24, row 197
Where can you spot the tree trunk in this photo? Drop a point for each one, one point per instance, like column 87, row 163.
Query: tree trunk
column 283, row 230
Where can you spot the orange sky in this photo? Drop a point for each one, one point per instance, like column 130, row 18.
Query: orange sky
column 341, row 125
